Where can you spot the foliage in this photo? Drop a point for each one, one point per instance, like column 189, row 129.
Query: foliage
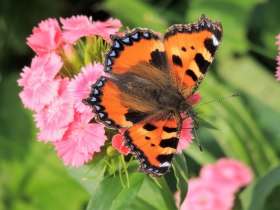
column 247, row 127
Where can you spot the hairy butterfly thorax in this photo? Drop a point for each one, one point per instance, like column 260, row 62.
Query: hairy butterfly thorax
column 148, row 82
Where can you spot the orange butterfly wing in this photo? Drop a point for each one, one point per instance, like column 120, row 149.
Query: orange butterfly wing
column 106, row 102
column 140, row 45
column 154, row 143
column 190, row 50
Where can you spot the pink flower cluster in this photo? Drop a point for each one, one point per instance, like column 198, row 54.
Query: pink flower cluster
column 278, row 59
column 49, row 37
column 216, row 186
column 60, row 115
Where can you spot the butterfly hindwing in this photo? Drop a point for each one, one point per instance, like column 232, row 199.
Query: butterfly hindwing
column 139, row 45
column 154, row 143
column 190, row 49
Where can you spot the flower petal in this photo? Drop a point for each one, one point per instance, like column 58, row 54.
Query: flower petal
column 82, row 140
column 80, row 86
column 46, row 38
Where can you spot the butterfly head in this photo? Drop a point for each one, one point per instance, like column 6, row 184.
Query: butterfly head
column 187, row 109
column 191, row 113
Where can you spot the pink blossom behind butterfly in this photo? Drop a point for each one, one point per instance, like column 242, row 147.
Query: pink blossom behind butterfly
column 229, row 174
column 81, row 26
column 277, row 73
column 81, row 141
column 76, row 27
column 216, row 186
column 206, row 195
column 194, row 99
column 80, row 86
column 186, row 135
column 118, row 144
column 46, row 38
column 39, row 82
column 106, row 28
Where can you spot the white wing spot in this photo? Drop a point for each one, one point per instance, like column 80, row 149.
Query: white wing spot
column 215, row 40
column 165, row 164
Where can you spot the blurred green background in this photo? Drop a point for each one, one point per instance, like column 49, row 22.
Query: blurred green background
column 247, row 127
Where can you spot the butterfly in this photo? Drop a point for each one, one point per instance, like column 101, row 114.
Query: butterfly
column 148, row 81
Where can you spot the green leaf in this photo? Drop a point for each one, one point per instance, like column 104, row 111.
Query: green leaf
column 142, row 193
column 141, row 13
column 91, row 175
column 114, row 195
column 166, row 194
column 258, row 85
column 202, row 122
column 201, row 157
column 39, row 181
column 161, row 197
column 263, row 40
column 181, row 175
column 238, row 134
column 17, row 127
column 254, row 197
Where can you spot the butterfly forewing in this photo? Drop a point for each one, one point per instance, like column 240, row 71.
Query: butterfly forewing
column 190, row 49
column 139, row 45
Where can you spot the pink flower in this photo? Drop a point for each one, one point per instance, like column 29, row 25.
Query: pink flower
column 81, row 141
column 187, row 127
column 118, row 144
column 186, row 135
column 53, row 119
column 39, row 84
column 206, row 195
column 194, row 99
column 80, row 86
column 177, row 199
column 106, row 28
column 81, row 26
column 229, row 174
column 46, row 38
column 76, row 27
column 277, row 74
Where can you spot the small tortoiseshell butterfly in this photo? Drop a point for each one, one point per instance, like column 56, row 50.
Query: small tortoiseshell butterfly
column 147, row 85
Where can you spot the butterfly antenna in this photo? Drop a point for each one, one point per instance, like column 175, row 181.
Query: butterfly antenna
column 195, row 127
column 220, row 99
